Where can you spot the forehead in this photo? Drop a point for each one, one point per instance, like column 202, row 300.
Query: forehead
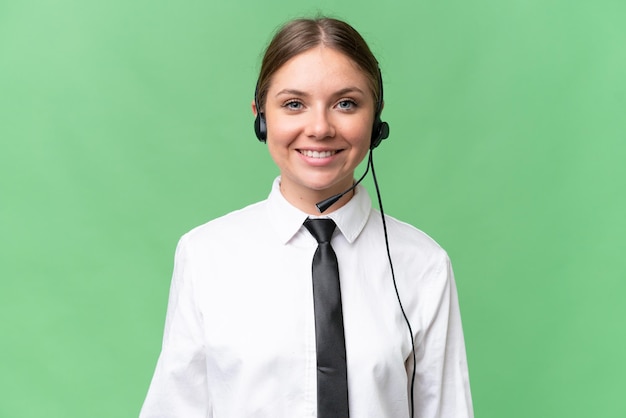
column 320, row 67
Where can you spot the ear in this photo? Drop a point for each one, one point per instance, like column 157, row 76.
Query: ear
column 254, row 109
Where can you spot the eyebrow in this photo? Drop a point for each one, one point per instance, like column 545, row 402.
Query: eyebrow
column 341, row 92
column 291, row 92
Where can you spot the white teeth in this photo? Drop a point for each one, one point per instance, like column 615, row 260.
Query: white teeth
column 317, row 154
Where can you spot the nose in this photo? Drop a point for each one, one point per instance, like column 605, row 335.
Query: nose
column 320, row 124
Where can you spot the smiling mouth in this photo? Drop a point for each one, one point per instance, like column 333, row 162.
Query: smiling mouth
column 317, row 154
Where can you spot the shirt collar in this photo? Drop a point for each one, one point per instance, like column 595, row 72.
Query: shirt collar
column 287, row 219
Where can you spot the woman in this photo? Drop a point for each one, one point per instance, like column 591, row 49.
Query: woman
column 242, row 335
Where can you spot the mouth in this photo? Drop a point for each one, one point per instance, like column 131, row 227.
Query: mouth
column 317, row 154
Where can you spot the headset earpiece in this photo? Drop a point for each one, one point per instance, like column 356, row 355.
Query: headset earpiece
column 380, row 130
column 260, row 127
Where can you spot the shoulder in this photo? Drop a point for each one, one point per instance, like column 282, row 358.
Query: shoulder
column 404, row 234
column 410, row 247
column 233, row 226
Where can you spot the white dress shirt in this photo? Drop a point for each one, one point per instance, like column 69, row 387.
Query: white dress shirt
column 239, row 338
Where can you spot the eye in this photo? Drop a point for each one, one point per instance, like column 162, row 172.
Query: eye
column 346, row 104
column 293, row 105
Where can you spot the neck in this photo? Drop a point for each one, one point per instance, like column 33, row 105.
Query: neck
column 307, row 203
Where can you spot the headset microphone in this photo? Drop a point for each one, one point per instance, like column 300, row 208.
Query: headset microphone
column 326, row 203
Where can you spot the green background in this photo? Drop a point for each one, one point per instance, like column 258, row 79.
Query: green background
column 124, row 123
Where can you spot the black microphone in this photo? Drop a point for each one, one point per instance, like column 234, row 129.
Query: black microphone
column 326, row 203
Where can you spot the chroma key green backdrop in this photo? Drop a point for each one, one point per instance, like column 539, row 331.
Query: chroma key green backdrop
column 124, row 123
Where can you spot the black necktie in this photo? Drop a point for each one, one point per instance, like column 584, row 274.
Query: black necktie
column 332, row 383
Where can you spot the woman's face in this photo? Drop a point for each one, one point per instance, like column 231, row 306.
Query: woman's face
column 319, row 112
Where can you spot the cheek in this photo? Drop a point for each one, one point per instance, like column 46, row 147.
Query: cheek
column 280, row 137
column 359, row 135
column 281, row 132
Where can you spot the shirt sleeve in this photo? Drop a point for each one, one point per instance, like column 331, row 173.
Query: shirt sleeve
column 179, row 384
column 441, row 387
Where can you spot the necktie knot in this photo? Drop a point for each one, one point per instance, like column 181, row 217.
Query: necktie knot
column 321, row 229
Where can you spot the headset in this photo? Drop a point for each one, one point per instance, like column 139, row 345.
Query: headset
column 380, row 130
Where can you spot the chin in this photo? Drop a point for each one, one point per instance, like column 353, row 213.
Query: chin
column 328, row 187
